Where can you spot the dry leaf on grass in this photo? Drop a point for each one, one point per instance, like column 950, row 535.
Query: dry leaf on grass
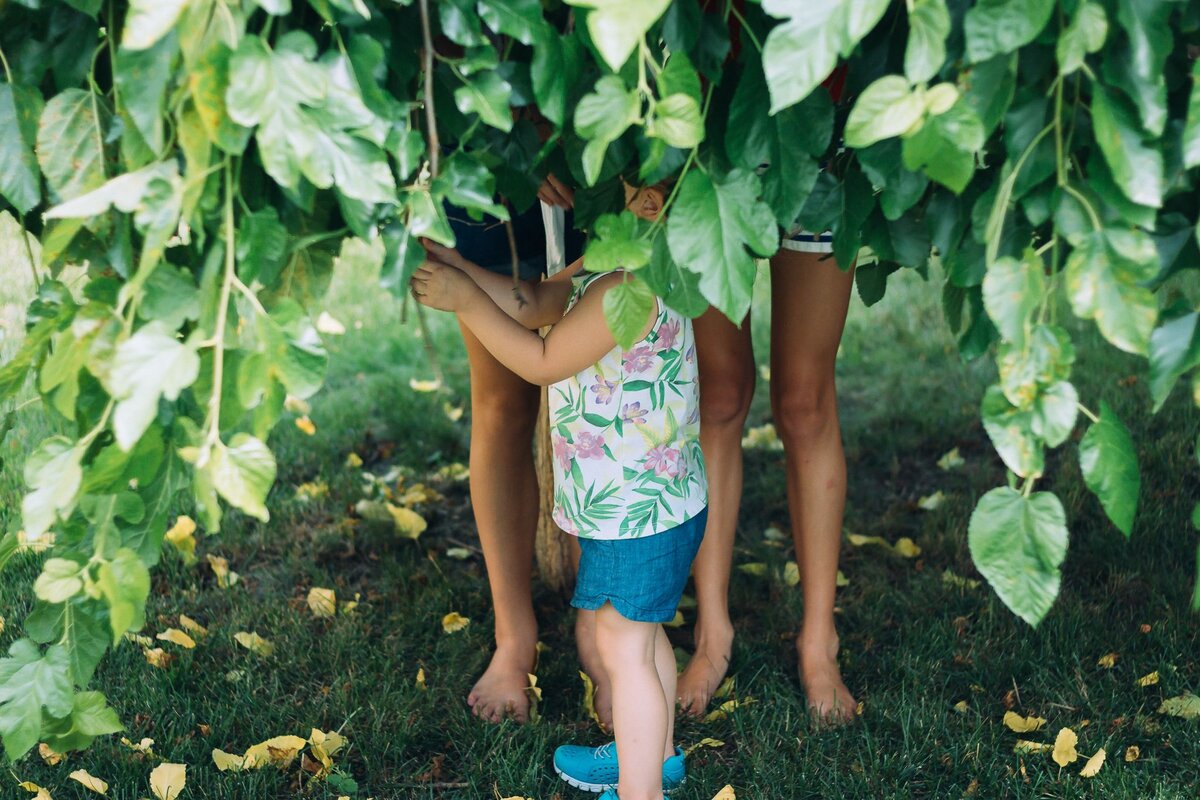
column 38, row 792
column 454, row 622
column 228, row 762
column 1186, row 706
column 420, row 681
column 726, row 793
column 157, row 657
column 705, row 742
column 1026, row 746
column 306, row 425
column 728, row 707
column 48, row 756
column 950, row 460
column 176, row 636
column 182, row 537
column 167, row 781
column 409, row 524
column 1107, row 661
column 950, row 578
column 931, row 502
column 791, row 573
column 322, row 602
column 1148, row 680
column 1093, row 764
column 1064, row 747
column 191, row 626
column 589, row 700
column 220, row 567
column 254, row 643
column 89, row 781
column 1133, row 753
column 424, row 386
column 1018, row 724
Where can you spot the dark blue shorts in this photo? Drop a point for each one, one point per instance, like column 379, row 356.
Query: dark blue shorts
column 486, row 242
column 643, row 578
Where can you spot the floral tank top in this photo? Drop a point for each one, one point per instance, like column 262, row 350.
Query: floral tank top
column 626, row 436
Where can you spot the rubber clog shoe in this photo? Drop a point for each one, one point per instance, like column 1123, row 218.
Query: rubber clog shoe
column 594, row 769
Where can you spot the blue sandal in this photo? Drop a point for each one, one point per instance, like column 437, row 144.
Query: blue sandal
column 594, row 769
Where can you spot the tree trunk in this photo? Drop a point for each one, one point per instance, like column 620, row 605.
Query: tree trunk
column 557, row 553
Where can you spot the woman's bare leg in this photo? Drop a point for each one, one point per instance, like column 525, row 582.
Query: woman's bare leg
column 726, row 360
column 809, row 298
column 504, row 497
column 593, row 665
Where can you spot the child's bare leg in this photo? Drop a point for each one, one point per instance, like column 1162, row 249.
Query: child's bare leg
column 809, row 300
column 640, row 702
column 504, row 497
column 726, row 359
column 593, row 665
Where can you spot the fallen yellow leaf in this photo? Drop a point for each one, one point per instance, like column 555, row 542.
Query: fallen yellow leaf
column 931, row 502
column 453, row 413
column 51, row 758
column 1018, row 724
column 181, row 536
column 190, row 625
column 726, row 708
column 279, row 751
column 906, row 548
column 1186, row 706
column 220, row 567
column 176, row 636
column 841, row 579
column 950, row 578
column 157, row 657
column 726, row 793
column 950, row 460
column 589, row 699
column 458, row 553
column 764, row 437
column 1093, row 764
column 534, row 693
column 322, row 602
column 1026, row 746
column 313, row 490
column 306, row 425
column 454, row 622
column 168, row 780
column 35, row 544
column 145, row 746
column 38, row 791
column 754, row 568
column 420, row 682
column 254, row 643
column 962, row 707
column 705, row 742
column 726, row 688
column 1108, row 660
column 88, row 781
column 424, row 386
column 409, row 524
column 228, row 762
column 1133, row 753
column 1148, row 680
column 791, row 573
column 1064, row 747
column 354, row 461
column 455, row 471
column 676, row 621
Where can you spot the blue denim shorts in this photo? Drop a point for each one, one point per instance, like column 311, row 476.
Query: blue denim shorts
column 643, row 578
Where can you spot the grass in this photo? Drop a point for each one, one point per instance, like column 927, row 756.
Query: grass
column 913, row 645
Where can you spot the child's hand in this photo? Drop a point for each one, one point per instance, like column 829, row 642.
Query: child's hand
column 443, row 287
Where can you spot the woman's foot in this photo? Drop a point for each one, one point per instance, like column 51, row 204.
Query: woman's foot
column 500, row 691
column 705, row 670
column 829, row 701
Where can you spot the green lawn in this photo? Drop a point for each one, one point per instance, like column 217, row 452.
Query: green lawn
column 914, row 645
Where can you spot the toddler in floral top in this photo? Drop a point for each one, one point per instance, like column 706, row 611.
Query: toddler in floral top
column 629, row 482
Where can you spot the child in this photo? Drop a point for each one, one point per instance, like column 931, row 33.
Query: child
column 629, row 481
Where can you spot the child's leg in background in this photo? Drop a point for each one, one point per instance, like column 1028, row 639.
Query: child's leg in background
column 642, row 705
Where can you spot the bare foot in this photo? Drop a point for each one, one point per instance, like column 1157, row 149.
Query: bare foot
column 500, row 691
column 829, row 701
column 704, row 672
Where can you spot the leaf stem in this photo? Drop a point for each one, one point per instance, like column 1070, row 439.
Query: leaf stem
column 4, row 63
column 249, row 295
column 1087, row 413
column 431, row 133
column 746, row 26
column 995, row 222
column 1087, row 205
column 37, row 281
column 214, row 401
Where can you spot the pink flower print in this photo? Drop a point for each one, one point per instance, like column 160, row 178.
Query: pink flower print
column 589, row 445
column 668, row 334
column 565, row 523
column 633, row 412
column 639, row 359
column 663, row 460
column 603, row 389
column 564, row 451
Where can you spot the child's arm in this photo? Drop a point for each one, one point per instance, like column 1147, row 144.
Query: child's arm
column 541, row 302
column 579, row 340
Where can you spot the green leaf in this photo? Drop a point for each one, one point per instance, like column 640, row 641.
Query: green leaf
column 1191, row 130
column 148, row 21
column 1109, row 464
column 628, row 307
column 85, row 636
column 1136, row 164
column 601, row 117
column 1054, row 413
column 53, row 474
column 678, row 287
column 20, row 179
column 1018, row 543
column 13, row 372
column 716, row 229
column 557, row 65
column 469, row 185
column 92, row 715
column 460, row 22
column 150, row 364
column 171, row 297
column 928, row 27
column 995, row 27
column 124, row 582
column 1174, row 349
column 1012, row 291
column 615, row 244
column 142, row 78
column 616, row 26
column 1011, row 432
column 71, row 133
column 262, row 242
column 1044, row 359
column 402, row 255
column 297, row 354
column 990, row 93
column 275, row 7
column 520, row 19
column 126, row 192
column 677, row 121
column 61, row 579
column 242, row 473
column 209, row 80
column 1085, row 34
column 486, row 94
column 1104, row 273
column 886, row 108
column 28, row 681
column 801, row 52
column 945, row 146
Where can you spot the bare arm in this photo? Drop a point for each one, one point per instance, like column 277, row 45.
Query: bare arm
column 582, row 337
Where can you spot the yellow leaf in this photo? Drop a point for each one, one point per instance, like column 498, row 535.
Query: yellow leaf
column 726, row 688
column 420, row 682
column 176, row 636
column 424, row 385
column 145, row 746
column 676, row 621
column 228, row 762
column 158, row 657
column 51, row 758
column 254, row 643
column 279, row 751
column 306, row 425
column 949, row 578
column 458, row 553
column 296, row 405
column 764, row 437
column 858, row 540
column 1186, row 706
column 453, row 413
column 962, row 707
column 764, row 371
column 589, row 699
column 1093, row 764
column 354, row 461
column 417, row 494
column 774, row 534
column 409, row 524
column 906, row 548
column 455, row 471
column 706, row 742
column 726, row 793
column 90, row 782
column 726, row 708
column 38, row 791
column 1064, row 747
column 791, row 573
column 754, row 568
column 1026, row 746
column 2, row 623
column 220, row 567
column 841, row 579
column 167, row 780
column 1148, row 680
column 328, row 324
column 534, row 692
column 1108, row 660
column 181, row 536
column 313, row 490
column 322, row 602
column 35, row 544
column 1018, row 724
column 931, row 502
column 950, row 460
column 192, row 626
column 1133, row 753
column 138, row 639
column 454, row 621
